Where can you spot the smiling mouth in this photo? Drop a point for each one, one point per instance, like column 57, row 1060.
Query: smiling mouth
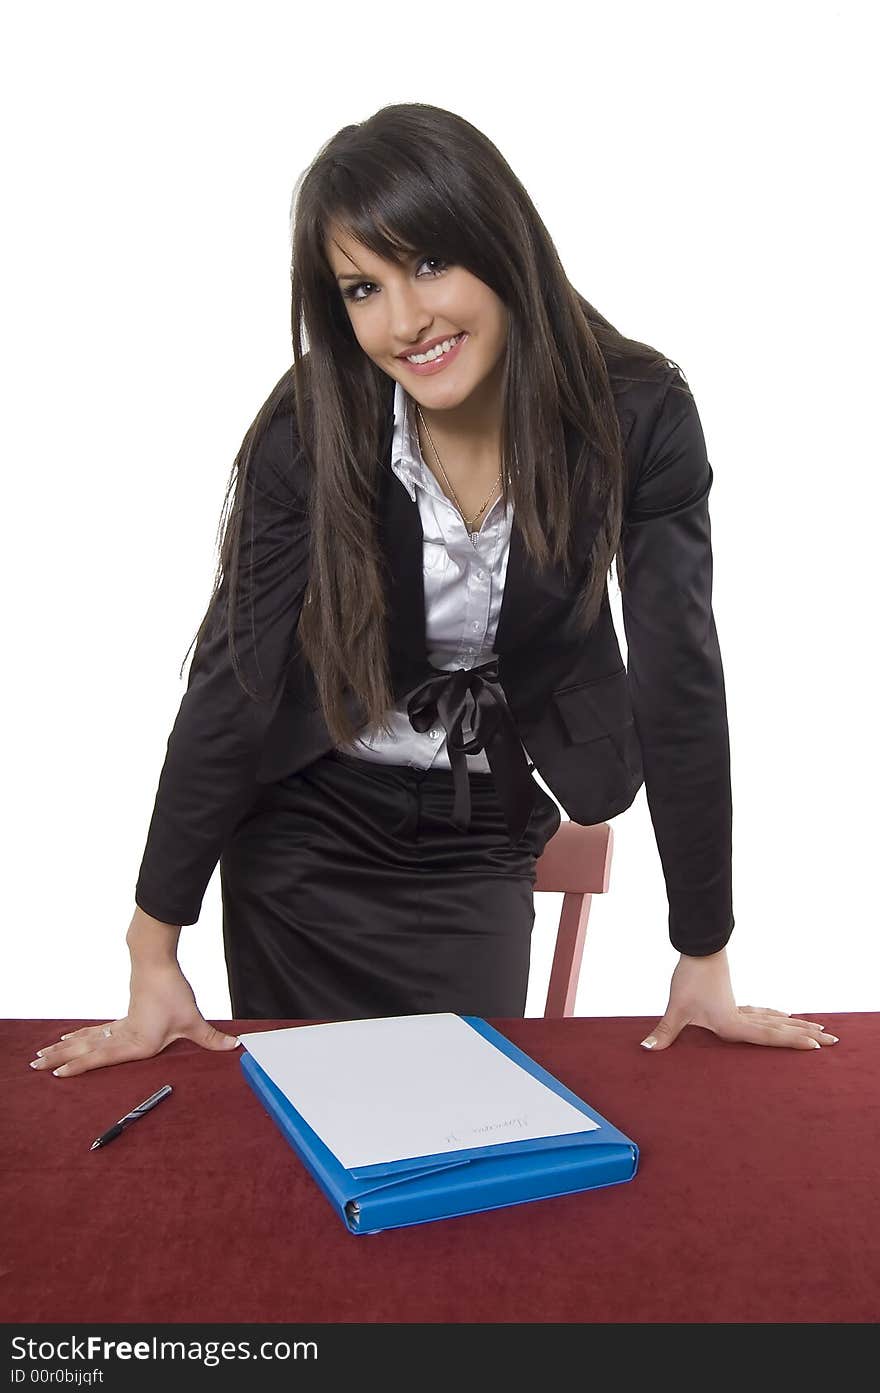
column 424, row 363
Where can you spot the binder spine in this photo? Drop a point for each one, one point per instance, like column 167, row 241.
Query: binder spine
column 495, row 1185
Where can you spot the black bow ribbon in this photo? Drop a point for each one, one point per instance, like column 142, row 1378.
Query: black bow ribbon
column 493, row 729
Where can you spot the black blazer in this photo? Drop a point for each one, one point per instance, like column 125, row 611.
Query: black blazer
column 595, row 729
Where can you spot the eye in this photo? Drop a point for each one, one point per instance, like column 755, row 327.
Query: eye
column 351, row 292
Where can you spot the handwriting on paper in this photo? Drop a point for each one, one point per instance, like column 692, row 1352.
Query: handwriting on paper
column 509, row 1124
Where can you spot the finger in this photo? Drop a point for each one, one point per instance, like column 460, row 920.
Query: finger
column 766, row 1011
column 55, row 1057
column 753, row 1032
column 664, row 1033
column 51, row 1055
column 118, row 1049
column 812, row 1029
column 86, row 1032
column 812, row 1026
column 210, row 1038
column 776, row 1017
column 76, row 1056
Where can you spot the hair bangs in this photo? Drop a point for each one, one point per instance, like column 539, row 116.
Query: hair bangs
column 395, row 212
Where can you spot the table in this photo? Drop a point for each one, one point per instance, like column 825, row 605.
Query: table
column 757, row 1197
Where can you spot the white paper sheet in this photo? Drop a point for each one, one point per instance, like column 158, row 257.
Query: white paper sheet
column 403, row 1086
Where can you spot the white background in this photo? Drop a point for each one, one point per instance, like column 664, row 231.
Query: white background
column 704, row 172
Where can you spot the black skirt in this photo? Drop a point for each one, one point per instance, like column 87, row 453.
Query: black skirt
column 348, row 893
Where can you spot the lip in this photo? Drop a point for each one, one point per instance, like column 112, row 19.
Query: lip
column 431, row 343
column 426, row 369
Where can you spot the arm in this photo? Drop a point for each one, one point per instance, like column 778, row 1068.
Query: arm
column 675, row 673
column 677, row 686
column 208, row 777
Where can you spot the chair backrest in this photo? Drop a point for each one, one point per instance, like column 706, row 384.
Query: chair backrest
column 576, row 862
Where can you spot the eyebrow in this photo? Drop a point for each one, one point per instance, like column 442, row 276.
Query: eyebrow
column 351, row 276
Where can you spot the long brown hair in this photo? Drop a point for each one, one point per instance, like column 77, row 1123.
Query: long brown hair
column 415, row 178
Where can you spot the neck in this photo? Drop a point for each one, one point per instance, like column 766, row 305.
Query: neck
column 468, row 435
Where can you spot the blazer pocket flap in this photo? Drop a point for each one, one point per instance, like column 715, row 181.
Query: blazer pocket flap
column 593, row 709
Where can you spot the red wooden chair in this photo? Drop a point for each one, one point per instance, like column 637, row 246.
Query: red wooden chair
column 576, row 862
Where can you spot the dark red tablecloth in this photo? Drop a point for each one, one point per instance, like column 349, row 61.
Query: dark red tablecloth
column 757, row 1197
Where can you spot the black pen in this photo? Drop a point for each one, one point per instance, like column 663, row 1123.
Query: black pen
column 130, row 1117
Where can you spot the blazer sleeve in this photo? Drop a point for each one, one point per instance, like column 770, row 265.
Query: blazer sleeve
column 208, row 778
column 675, row 674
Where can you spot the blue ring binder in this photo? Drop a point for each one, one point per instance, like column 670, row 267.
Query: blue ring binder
column 421, row 1189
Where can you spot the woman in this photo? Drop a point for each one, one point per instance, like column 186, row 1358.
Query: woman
column 411, row 614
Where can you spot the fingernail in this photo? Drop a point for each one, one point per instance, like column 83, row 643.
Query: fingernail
column 832, row 1038
column 67, row 1037
column 814, row 1044
column 35, row 1064
column 649, row 1043
column 62, row 1069
column 39, row 1054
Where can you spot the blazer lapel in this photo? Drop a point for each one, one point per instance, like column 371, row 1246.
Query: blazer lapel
column 535, row 597
column 401, row 543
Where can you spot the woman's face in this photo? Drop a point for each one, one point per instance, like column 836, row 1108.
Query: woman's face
column 397, row 309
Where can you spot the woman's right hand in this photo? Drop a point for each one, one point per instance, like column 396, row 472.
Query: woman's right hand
column 162, row 1008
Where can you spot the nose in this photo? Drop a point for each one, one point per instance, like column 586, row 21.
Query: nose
column 410, row 318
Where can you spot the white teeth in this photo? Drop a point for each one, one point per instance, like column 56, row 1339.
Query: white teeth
column 436, row 352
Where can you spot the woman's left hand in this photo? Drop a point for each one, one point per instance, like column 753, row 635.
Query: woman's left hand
column 701, row 994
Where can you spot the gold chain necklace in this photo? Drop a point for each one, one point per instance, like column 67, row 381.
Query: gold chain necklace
column 468, row 522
